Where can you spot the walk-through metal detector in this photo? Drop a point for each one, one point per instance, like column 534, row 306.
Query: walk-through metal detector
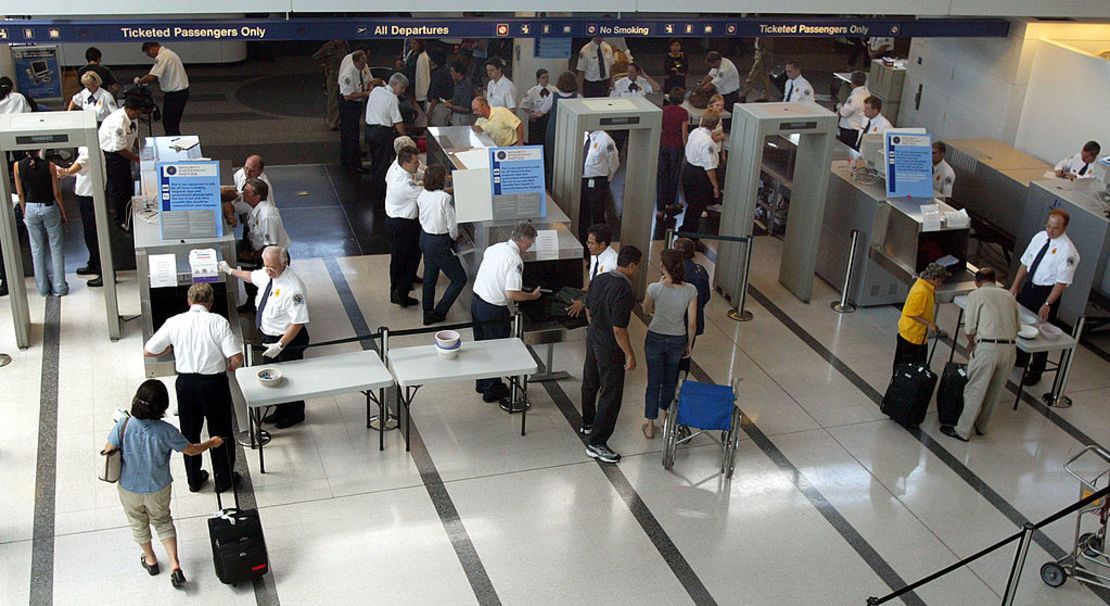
column 53, row 130
column 752, row 123
column 643, row 120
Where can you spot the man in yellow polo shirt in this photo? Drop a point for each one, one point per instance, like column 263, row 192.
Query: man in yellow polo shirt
column 499, row 123
column 917, row 317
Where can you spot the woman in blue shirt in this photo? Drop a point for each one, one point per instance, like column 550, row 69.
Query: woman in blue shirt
column 145, row 481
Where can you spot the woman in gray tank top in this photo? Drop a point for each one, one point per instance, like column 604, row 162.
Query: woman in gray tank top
column 673, row 305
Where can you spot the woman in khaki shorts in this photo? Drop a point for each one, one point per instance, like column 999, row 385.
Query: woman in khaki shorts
column 145, row 480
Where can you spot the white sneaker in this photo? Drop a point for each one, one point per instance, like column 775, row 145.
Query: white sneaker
column 602, row 453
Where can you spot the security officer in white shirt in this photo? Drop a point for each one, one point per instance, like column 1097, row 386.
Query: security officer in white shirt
column 93, row 98
column 798, row 89
column 282, row 318
column 595, row 67
column 603, row 258
column 264, row 222
column 383, row 124
column 353, row 90
column 117, row 137
column 254, row 167
column 873, row 120
column 500, row 91
column 174, row 82
column 83, row 191
column 943, row 175
column 533, row 103
column 724, row 76
column 402, row 225
column 634, row 84
column 602, row 162
column 499, row 281
column 1049, row 262
column 851, row 111
column 1079, row 165
column 204, row 350
column 699, row 173
column 438, row 231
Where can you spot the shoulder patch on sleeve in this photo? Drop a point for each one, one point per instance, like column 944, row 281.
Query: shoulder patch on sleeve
column 298, row 299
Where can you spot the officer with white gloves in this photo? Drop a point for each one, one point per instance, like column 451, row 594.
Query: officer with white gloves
column 282, row 318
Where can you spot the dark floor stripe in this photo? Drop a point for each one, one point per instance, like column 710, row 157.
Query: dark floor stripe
column 265, row 590
column 46, row 468
column 464, row 548
column 841, row 524
column 977, row 483
column 651, row 526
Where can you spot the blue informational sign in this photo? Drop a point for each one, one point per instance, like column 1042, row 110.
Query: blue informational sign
column 36, row 72
column 909, row 164
column 517, row 182
column 372, row 27
column 553, row 48
column 189, row 201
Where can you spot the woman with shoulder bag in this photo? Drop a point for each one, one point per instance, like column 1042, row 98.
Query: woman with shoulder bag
column 145, row 442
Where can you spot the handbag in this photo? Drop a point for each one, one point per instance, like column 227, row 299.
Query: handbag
column 113, row 459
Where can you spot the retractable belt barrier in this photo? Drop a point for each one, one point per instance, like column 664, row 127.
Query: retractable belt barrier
column 738, row 312
column 377, row 335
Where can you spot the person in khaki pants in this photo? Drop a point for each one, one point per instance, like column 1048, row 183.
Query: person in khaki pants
column 992, row 327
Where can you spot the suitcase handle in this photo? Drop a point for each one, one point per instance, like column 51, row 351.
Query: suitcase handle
column 230, row 443
column 936, row 342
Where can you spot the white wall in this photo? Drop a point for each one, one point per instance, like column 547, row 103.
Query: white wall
column 1067, row 103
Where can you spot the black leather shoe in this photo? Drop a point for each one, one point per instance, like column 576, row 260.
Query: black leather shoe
column 402, row 299
column 1031, row 379
column 950, row 431
column 177, row 579
column 271, row 418
column 87, row 271
column 151, row 569
column 498, row 392
column 200, row 484
column 433, row 318
column 96, row 282
column 235, row 480
column 417, row 280
column 287, row 423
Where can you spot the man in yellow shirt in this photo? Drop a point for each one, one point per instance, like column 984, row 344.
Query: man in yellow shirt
column 500, row 123
column 917, row 317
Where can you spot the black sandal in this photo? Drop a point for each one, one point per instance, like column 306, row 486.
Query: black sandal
column 177, row 578
column 152, row 569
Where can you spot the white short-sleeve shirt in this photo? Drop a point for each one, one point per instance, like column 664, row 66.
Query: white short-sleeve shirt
column 798, row 90
column 382, row 108
column 202, row 341
column 602, row 156
column 625, row 87
column 437, row 213
column 943, row 179
column 117, row 132
column 726, row 77
column 241, row 180
column 606, row 261
column 14, row 103
column 588, row 63
column 350, row 78
column 535, row 97
column 501, row 93
column 1058, row 264
column 266, row 228
column 286, row 305
column 1075, row 165
column 401, row 192
column 83, row 186
column 170, row 71
column 851, row 112
column 701, row 149
column 502, row 269
column 100, row 103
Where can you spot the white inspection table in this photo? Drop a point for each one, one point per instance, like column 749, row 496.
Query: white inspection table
column 414, row 367
column 360, row 371
column 1065, row 344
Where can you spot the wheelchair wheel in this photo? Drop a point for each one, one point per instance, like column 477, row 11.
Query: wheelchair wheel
column 670, row 438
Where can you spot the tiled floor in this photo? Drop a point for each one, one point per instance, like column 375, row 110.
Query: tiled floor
column 831, row 502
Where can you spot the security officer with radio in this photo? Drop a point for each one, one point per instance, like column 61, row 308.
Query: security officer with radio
column 282, row 317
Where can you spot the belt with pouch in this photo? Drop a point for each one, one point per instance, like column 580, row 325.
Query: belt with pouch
column 998, row 341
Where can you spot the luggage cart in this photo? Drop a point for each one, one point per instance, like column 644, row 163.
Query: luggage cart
column 705, row 407
column 1088, row 561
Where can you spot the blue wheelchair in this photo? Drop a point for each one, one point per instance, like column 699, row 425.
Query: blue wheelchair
column 704, row 407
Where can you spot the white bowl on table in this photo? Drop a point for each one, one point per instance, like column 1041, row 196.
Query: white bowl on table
column 448, row 343
column 269, row 376
column 1028, row 331
column 1027, row 317
column 1050, row 331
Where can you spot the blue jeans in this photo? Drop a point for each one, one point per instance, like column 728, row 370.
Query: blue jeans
column 44, row 226
column 663, row 353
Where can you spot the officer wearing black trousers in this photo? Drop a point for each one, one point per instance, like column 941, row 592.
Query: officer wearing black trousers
column 500, row 280
column 169, row 72
column 1049, row 262
column 117, row 137
column 352, row 92
column 204, row 349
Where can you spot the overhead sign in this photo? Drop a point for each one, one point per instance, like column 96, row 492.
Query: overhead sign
column 909, row 164
column 370, row 27
column 36, row 72
column 517, row 182
column 189, row 199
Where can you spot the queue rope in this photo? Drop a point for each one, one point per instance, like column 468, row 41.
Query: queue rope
column 378, row 333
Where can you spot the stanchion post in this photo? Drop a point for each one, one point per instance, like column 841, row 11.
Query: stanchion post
column 1027, row 531
column 1056, row 397
column 515, row 404
column 738, row 313
column 384, row 420
column 843, row 306
column 669, row 238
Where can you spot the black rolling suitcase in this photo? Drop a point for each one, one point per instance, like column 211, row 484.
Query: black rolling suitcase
column 950, row 394
column 238, row 546
column 911, row 388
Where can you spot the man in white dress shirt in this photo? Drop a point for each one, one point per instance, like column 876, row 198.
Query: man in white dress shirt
column 383, row 125
column 254, row 167
column 1049, row 262
column 634, row 84
column 602, row 162
column 354, row 83
column 943, row 175
column 851, row 111
column 402, row 225
column 500, row 91
column 724, row 76
column 117, row 136
column 170, row 74
column 1079, row 165
column 595, row 67
column 798, row 89
column 603, row 258
column 282, row 319
column 264, row 221
column 873, row 120
column 204, row 349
